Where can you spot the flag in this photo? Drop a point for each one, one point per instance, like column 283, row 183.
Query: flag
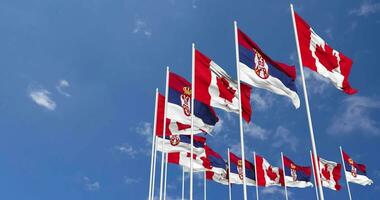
column 329, row 173
column 355, row 172
column 320, row 57
column 172, row 127
column 214, row 87
column 181, row 143
column 295, row 175
column 179, row 106
column 216, row 167
column 259, row 70
column 267, row 175
column 236, row 171
column 184, row 158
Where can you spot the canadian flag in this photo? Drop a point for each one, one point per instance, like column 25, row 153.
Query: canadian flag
column 267, row 175
column 184, row 159
column 320, row 57
column 330, row 173
column 214, row 87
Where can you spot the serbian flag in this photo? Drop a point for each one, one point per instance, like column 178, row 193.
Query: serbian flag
column 259, row 70
column 184, row 159
column 320, row 57
column 236, row 171
column 214, row 87
column 216, row 167
column 355, row 173
column 172, row 127
column 295, row 175
column 179, row 106
column 267, row 175
column 330, row 173
column 181, row 143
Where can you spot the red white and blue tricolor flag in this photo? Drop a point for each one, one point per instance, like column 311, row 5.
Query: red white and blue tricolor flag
column 355, row 172
column 181, row 143
column 179, row 106
column 259, row 70
column 236, row 171
column 295, row 175
column 214, row 87
column 267, row 175
column 216, row 167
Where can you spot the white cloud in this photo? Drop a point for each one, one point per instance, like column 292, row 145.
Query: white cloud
column 129, row 180
column 366, row 8
column 283, row 137
column 262, row 100
column 62, row 84
column 145, row 129
column 275, row 190
column 142, row 28
column 41, row 97
column 91, row 185
column 256, row 131
column 355, row 115
column 315, row 83
column 127, row 149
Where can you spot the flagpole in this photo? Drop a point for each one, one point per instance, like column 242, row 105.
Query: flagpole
column 166, row 174
column 154, row 167
column 164, row 132
column 192, row 117
column 183, row 183
column 314, row 148
column 344, row 167
column 204, row 186
column 151, row 185
column 229, row 176
column 240, row 110
column 257, row 180
column 315, row 179
column 283, row 171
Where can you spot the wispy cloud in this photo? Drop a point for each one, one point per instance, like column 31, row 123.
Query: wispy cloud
column 316, row 84
column 256, row 131
column 41, row 97
column 283, row 137
column 145, row 129
column 275, row 191
column 262, row 100
column 91, row 185
column 355, row 115
column 130, row 180
column 62, row 85
column 366, row 8
column 127, row 149
column 141, row 27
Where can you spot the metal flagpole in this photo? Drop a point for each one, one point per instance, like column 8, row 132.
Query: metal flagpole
column 204, row 186
column 154, row 167
column 257, row 180
column 183, row 183
column 164, row 133
column 344, row 167
column 315, row 179
column 229, row 176
column 192, row 118
column 283, row 171
column 240, row 111
column 151, row 185
column 314, row 148
column 166, row 174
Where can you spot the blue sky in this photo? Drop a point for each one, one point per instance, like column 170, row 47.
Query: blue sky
column 78, row 78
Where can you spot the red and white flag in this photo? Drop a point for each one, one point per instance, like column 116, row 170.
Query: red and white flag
column 330, row 173
column 214, row 87
column 267, row 175
column 183, row 159
column 320, row 57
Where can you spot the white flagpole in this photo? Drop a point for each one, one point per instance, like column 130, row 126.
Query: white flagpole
column 257, row 180
column 229, row 176
column 151, row 185
column 154, row 167
column 314, row 148
column 183, row 183
column 283, row 171
column 240, row 111
column 166, row 174
column 315, row 178
column 344, row 167
column 164, row 133
column 192, row 118
column 204, row 186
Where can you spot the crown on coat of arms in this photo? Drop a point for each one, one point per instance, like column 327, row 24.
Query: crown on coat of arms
column 187, row 91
